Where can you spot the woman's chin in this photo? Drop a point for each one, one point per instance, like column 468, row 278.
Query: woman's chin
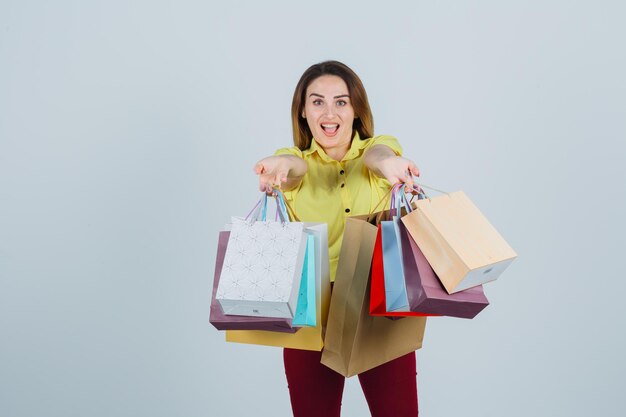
column 333, row 141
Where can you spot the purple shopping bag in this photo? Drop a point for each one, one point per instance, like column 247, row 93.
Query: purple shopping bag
column 222, row 321
column 425, row 292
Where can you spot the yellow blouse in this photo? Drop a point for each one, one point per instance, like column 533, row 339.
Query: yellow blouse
column 333, row 190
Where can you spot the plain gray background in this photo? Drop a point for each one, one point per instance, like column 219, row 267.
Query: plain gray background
column 128, row 132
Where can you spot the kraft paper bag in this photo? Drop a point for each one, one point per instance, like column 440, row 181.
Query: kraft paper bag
column 307, row 338
column 426, row 293
column 460, row 244
column 223, row 322
column 355, row 341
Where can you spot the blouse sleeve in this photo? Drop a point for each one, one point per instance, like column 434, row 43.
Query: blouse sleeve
column 294, row 150
column 387, row 140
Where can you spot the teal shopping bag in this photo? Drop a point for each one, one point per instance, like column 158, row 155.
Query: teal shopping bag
column 305, row 311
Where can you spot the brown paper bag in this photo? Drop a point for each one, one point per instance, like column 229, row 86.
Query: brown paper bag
column 460, row 244
column 356, row 341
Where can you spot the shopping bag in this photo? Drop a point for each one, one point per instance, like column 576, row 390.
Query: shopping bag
column 307, row 338
column 378, row 303
column 387, row 292
column 377, row 287
column 395, row 288
column 379, row 282
column 262, row 267
column 223, row 322
column 460, row 244
column 426, row 293
column 305, row 310
column 355, row 341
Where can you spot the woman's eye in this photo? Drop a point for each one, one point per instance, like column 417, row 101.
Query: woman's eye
column 317, row 102
column 341, row 103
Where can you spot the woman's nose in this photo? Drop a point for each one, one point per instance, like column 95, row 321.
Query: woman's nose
column 329, row 111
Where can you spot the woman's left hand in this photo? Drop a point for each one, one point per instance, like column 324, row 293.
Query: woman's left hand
column 398, row 169
column 383, row 161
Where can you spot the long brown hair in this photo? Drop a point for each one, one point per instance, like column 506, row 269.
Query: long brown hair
column 364, row 121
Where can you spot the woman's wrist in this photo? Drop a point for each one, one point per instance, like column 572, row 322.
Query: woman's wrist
column 377, row 157
column 297, row 168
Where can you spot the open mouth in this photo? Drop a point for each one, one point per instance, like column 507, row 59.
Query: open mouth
column 330, row 129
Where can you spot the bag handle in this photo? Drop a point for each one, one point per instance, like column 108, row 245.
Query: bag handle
column 291, row 212
column 259, row 211
column 423, row 193
column 397, row 191
column 416, row 190
column 281, row 207
column 383, row 200
column 399, row 199
column 387, row 200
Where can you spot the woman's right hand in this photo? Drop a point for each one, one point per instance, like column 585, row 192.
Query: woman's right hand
column 281, row 171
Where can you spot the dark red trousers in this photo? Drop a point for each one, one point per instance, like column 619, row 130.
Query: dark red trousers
column 316, row 390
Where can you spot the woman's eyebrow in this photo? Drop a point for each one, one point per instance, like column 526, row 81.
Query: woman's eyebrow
column 339, row 96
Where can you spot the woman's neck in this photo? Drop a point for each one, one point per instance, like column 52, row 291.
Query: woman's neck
column 337, row 153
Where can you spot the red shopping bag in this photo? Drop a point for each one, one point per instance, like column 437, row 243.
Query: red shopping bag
column 377, row 286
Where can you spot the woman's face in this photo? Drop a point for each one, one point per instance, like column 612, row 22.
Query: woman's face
column 329, row 113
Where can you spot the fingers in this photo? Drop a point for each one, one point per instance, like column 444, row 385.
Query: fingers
column 276, row 180
column 407, row 169
column 264, row 180
column 410, row 172
column 265, row 184
column 408, row 183
column 272, row 172
column 259, row 168
column 270, row 181
column 267, row 188
column 262, row 185
column 281, row 176
column 413, row 169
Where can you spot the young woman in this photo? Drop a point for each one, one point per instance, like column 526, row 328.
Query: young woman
column 336, row 169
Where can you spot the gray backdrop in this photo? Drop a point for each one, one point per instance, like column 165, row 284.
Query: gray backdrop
column 128, row 132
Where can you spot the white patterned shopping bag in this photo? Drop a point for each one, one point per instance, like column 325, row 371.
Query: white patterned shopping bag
column 262, row 266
